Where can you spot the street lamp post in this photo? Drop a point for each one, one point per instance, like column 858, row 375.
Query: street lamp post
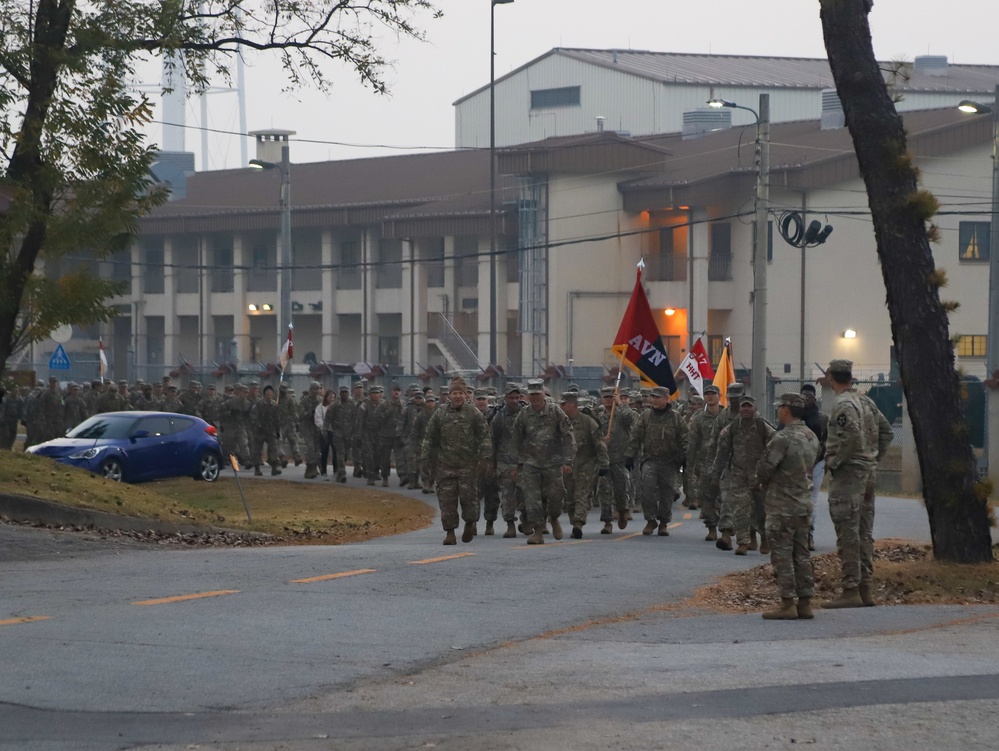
column 760, row 242
column 284, row 270
column 492, row 180
column 992, row 340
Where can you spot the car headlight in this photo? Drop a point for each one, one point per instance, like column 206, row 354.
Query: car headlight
column 88, row 453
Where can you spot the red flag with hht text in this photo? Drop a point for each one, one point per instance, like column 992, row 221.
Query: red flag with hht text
column 639, row 343
column 697, row 367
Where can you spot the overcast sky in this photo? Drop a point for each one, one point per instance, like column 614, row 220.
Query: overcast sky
column 428, row 77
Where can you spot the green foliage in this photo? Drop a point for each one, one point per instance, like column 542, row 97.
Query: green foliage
column 937, row 278
column 923, row 203
column 76, row 166
column 949, row 306
column 933, row 233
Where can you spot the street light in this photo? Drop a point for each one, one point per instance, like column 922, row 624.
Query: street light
column 492, row 179
column 992, row 351
column 760, row 238
column 284, row 270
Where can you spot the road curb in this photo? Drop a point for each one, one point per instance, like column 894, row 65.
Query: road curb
column 21, row 508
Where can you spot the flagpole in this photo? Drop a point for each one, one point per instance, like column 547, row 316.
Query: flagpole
column 617, row 393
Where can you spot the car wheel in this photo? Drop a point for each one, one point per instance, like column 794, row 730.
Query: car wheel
column 112, row 470
column 208, row 467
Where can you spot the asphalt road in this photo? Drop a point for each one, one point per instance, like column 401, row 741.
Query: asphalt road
column 401, row 642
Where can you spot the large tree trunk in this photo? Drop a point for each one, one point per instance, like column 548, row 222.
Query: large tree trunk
column 958, row 514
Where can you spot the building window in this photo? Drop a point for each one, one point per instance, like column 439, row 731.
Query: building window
column 263, row 274
column 186, row 268
column 388, row 350
column 974, row 242
column 567, row 96
column 435, row 264
column 716, row 344
column 972, row 346
column 669, row 264
column 152, row 277
column 466, row 260
column 222, row 273
column 389, row 270
column 720, row 253
column 348, row 276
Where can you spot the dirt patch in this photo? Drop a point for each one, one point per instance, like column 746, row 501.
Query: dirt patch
column 904, row 574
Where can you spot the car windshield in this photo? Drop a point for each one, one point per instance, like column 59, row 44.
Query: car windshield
column 103, row 426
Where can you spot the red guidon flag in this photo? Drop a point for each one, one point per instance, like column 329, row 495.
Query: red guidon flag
column 288, row 350
column 639, row 343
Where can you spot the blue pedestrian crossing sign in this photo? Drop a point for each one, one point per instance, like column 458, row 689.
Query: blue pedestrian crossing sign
column 59, row 359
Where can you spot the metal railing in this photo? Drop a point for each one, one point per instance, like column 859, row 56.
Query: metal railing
column 466, row 354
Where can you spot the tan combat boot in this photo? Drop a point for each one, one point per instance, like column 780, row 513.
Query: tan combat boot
column 742, row 549
column 469, row 532
column 607, row 528
column 511, row 530
column 536, row 538
column 867, row 596
column 650, row 527
column 311, row 471
column 489, row 528
column 786, row 612
column 577, row 533
column 849, row 599
column 556, row 528
column 275, row 471
column 752, row 541
column 663, row 529
column 449, row 537
column 805, row 608
column 256, row 471
column 712, row 534
column 764, row 544
column 725, row 541
column 622, row 519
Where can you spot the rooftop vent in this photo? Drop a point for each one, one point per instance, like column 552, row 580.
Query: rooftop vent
column 931, row 65
column 698, row 122
column 832, row 110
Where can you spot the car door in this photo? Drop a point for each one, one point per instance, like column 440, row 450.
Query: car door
column 184, row 445
column 151, row 452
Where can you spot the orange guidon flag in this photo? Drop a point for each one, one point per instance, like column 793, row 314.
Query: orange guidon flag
column 639, row 343
column 726, row 372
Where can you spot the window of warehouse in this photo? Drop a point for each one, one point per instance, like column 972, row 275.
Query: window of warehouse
column 567, row 96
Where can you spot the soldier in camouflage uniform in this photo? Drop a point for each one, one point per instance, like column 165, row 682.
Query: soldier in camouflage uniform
column 417, row 432
column 32, row 427
column 367, row 428
column 74, row 409
column 740, row 445
column 265, row 422
column 308, row 432
column 614, row 488
column 208, row 407
column 699, row 463
column 455, row 449
column 189, row 399
column 289, row 415
column 115, row 400
column 93, row 396
column 171, row 403
column 414, row 408
column 879, row 432
column 545, row 445
column 159, row 396
column 720, row 485
column 235, row 416
column 11, row 412
column 356, row 451
column 785, row 471
column 658, row 445
column 693, row 405
column 488, row 484
column 506, row 458
column 589, row 462
column 337, row 425
column 390, row 416
column 851, row 459
column 49, row 414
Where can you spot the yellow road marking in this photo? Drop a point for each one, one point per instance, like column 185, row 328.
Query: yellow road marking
column 627, row 537
column 674, row 525
column 327, row 577
column 182, row 598
column 438, row 560
column 688, row 516
column 29, row 619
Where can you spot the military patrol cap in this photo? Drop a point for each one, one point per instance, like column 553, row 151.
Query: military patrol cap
column 573, row 387
column 376, row 390
column 172, row 387
column 413, row 386
column 238, row 387
column 569, row 396
column 147, row 387
column 747, row 400
column 645, row 392
column 359, row 384
column 253, row 383
column 139, row 382
column 315, row 385
column 72, row 385
column 607, row 391
column 514, row 388
column 96, row 384
column 418, row 395
column 711, row 389
column 344, row 388
column 841, row 366
column 659, row 391
column 195, row 383
column 396, row 387
column 53, row 378
column 635, row 394
column 458, row 384
column 492, row 391
column 481, row 394
column 430, row 397
column 734, row 390
column 211, row 387
column 535, row 386
column 790, row 400
column 122, row 382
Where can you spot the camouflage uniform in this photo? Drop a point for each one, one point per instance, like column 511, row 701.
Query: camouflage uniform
column 614, row 488
column 413, row 410
column 309, row 433
column 740, row 445
column 389, row 416
column 208, row 407
column 289, row 418
column 11, row 412
column 544, row 443
column 850, row 460
column 337, row 424
column 719, row 483
column 171, row 403
column 114, row 400
column 786, row 470
column 700, row 466
column 367, row 429
column 356, row 448
column 234, row 415
column 49, row 414
column 658, row 445
column 74, row 409
column 506, row 459
column 190, row 399
column 93, row 396
column 265, row 422
column 589, row 460
column 31, row 425
column 455, row 447
column 417, row 432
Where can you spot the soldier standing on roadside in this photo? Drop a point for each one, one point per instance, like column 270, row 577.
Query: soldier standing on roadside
column 505, row 459
column 11, row 412
column 190, row 399
column 337, row 424
column 455, row 449
column 589, row 462
column 356, row 451
column 368, row 430
column 390, row 415
column 785, row 472
column 545, row 445
column 416, row 435
column 265, row 420
column 614, row 489
column 50, row 412
column 720, row 485
column 699, row 462
column 289, row 416
column 171, row 403
column 308, row 432
column 74, row 408
column 658, row 446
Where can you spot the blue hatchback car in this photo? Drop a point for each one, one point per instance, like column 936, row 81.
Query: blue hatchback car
column 138, row 446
